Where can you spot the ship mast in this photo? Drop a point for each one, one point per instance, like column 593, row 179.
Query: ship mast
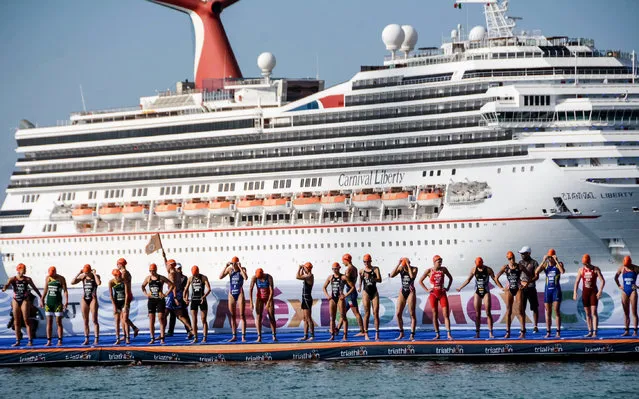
column 497, row 22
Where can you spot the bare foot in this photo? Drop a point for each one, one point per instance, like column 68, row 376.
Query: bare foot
column 274, row 338
column 400, row 336
column 345, row 338
column 535, row 329
column 233, row 339
column 490, row 335
column 360, row 334
column 332, row 338
column 117, row 342
column 152, row 341
column 522, row 334
column 366, row 337
column 204, row 340
column 547, row 335
column 96, row 342
column 195, row 341
column 135, row 332
column 477, row 334
column 450, row 337
column 259, row 338
column 162, row 341
column 17, row 343
column 311, row 338
column 376, row 336
column 59, row 342
column 558, row 335
column 412, row 337
column 30, row 343
column 48, row 343
column 436, row 336
column 243, row 338
column 507, row 335
column 634, row 334
column 304, row 338
column 86, row 341
column 127, row 341
column 626, row 333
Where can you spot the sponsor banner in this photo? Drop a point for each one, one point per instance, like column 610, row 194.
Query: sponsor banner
column 178, row 355
column 288, row 313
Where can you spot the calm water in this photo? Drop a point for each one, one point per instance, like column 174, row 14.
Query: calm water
column 350, row 379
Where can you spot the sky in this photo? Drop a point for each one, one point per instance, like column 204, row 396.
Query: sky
column 120, row 50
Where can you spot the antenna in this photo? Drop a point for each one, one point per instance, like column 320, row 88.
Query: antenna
column 84, row 106
column 316, row 66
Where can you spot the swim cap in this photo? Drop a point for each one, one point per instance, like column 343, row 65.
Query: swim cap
column 171, row 262
column 235, row 259
column 405, row 261
column 585, row 259
column 367, row 258
column 347, row 258
column 336, row 265
column 52, row 271
column 479, row 262
column 627, row 261
column 122, row 262
column 116, row 273
column 259, row 273
column 86, row 268
column 436, row 258
column 308, row 265
column 21, row 266
column 510, row 254
column 552, row 252
column 195, row 270
column 153, row 267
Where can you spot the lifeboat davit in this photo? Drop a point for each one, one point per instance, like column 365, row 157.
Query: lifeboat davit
column 307, row 203
column 110, row 212
column 335, row 202
column 221, row 208
column 195, row 208
column 84, row 214
column 250, row 206
column 429, row 199
column 169, row 210
column 367, row 201
column 277, row 205
column 396, row 200
column 135, row 212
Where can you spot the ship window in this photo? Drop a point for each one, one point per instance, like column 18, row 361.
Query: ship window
column 498, row 170
column 453, row 172
column 439, row 173
column 523, row 168
column 532, row 168
column 476, row 224
column 448, row 242
column 276, row 184
column 432, row 173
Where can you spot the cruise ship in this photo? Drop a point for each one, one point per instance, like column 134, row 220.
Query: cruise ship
column 495, row 140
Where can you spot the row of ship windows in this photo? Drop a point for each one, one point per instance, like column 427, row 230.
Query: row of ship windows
column 276, row 247
column 255, row 233
column 415, row 94
column 199, row 188
column 356, row 145
column 28, row 198
column 257, row 185
column 171, row 190
column 278, row 167
column 536, row 100
column 66, row 196
column 278, row 184
column 523, row 169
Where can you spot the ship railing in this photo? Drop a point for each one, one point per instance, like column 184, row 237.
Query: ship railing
column 105, row 111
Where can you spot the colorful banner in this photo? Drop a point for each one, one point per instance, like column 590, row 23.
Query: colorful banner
column 288, row 313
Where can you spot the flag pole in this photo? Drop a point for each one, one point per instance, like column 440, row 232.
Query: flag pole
column 162, row 246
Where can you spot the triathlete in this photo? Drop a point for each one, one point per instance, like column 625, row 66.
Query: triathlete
column 628, row 287
column 126, row 277
column 263, row 299
column 590, row 294
column 199, row 290
column 437, row 295
column 119, row 294
column 54, row 286
column 529, row 292
column 89, row 302
column 514, row 293
column 305, row 273
column 407, row 294
column 175, row 307
column 369, row 276
column 482, row 275
column 351, row 300
column 21, row 302
column 237, row 275
column 553, row 269
column 156, row 304
column 337, row 299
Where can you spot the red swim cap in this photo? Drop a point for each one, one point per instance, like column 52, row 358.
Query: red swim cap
column 347, row 258
column 153, row 267
column 21, row 266
column 52, row 271
column 308, row 265
column 552, row 252
column 479, row 262
column 510, row 254
column 86, row 268
column 171, row 262
column 405, row 261
column 122, row 262
column 195, row 270
column 367, row 258
column 259, row 273
column 585, row 259
column 116, row 273
column 235, row 259
column 436, row 258
column 627, row 261
column 336, row 265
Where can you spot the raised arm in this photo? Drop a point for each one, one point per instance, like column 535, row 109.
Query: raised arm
column 243, row 271
column 98, row 281
column 300, row 275
column 225, row 272
column 397, row 269
column 465, row 283
column 78, row 277
column 560, row 266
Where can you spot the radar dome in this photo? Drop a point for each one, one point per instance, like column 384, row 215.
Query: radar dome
column 410, row 38
column 478, row 33
column 393, row 37
column 266, row 62
column 453, row 34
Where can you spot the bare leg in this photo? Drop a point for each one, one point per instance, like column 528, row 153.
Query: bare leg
column 25, row 311
column 557, row 307
column 94, row 317
column 436, row 321
column 194, row 325
column 366, row 301
column 84, row 306
column 447, row 322
column 271, row 318
column 311, row 323
column 342, row 310
column 17, row 320
column 49, row 329
column 332, row 309
column 205, row 325
column 152, row 327
column 116, row 319
column 243, row 314
column 548, row 308
column 477, row 305
column 58, row 320
column 412, row 302
column 124, row 315
column 376, row 315
column 401, row 303
column 259, row 307
column 509, row 312
column 233, row 310
column 588, row 320
column 625, row 305
column 489, row 315
column 633, row 309
column 162, row 326
column 595, row 320
column 520, row 314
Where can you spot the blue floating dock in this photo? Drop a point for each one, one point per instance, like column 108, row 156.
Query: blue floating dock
column 610, row 344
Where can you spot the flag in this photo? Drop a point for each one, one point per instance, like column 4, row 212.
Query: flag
column 154, row 244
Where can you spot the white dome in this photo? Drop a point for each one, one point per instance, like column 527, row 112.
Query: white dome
column 477, row 33
column 266, row 62
column 393, row 37
column 453, row 34
column 410, row 38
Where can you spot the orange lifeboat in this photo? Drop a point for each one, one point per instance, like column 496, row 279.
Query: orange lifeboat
column 135, row 212
column 195, row 208
column 221, row 208
column 250, row 206
column 84, row 214
column 277, row 205
column 167, row 210
column 367, row 201
column 429, row 199
column 335, row 202
column 307, row 203
column 110, row 212
column 396, row 200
